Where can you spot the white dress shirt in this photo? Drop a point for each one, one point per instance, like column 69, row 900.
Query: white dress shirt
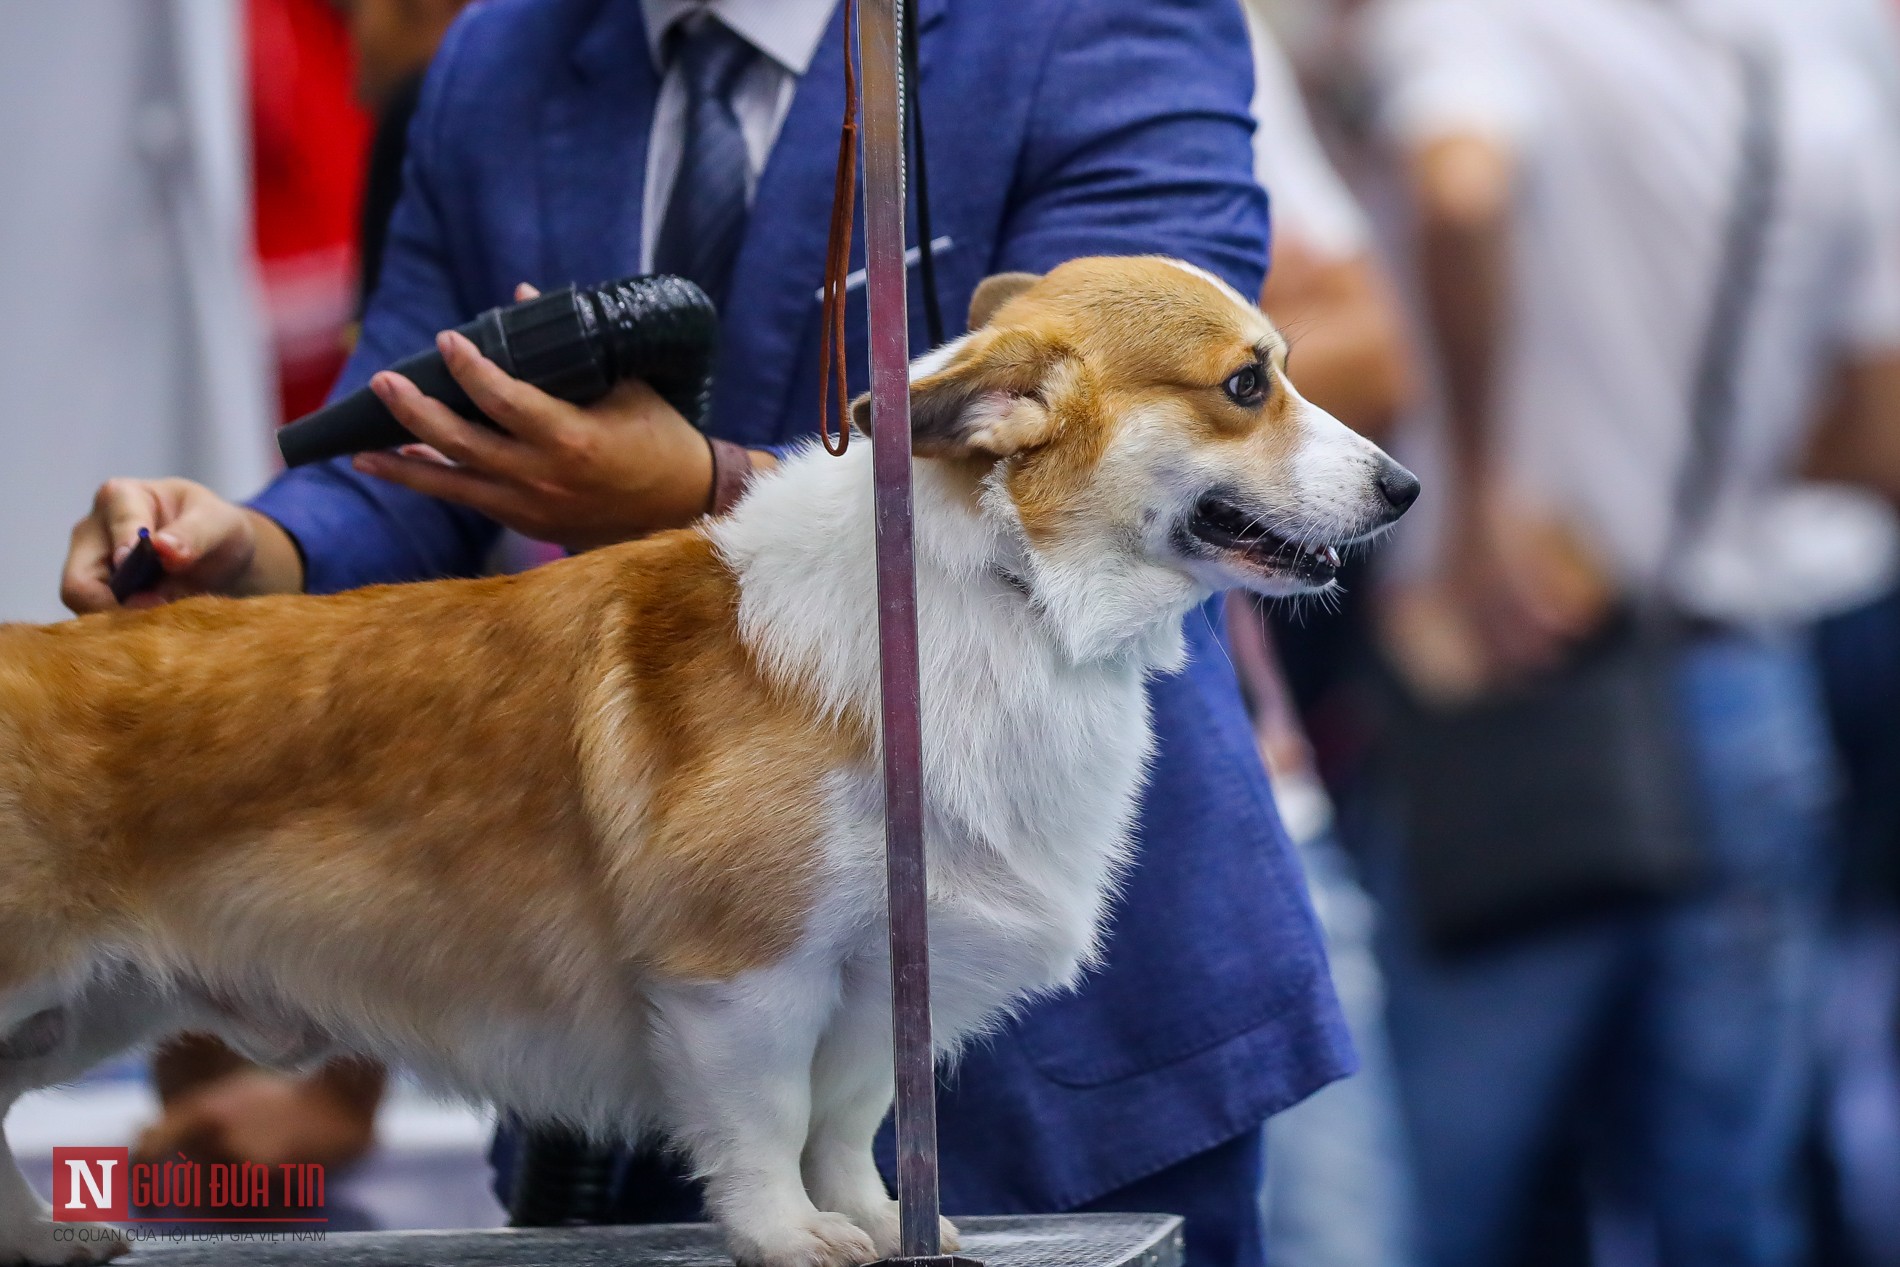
column 786, row 33
column 1624, row 118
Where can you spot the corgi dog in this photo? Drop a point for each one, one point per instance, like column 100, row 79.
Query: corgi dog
column 602, row 843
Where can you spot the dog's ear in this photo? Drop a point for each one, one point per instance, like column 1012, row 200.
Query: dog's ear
column 990, row 399
column 995, row 291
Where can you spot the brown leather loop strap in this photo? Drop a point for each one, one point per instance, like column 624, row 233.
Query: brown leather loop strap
column 844, row 198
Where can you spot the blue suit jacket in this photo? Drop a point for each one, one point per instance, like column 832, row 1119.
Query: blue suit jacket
column 1056, row 129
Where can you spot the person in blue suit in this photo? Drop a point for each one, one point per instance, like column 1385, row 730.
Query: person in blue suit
column 577, row 140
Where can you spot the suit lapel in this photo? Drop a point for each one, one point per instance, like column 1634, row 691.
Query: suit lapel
column 772, row 313
column 595, row 126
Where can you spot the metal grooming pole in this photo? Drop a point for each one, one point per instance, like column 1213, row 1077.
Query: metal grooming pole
column 883, row 102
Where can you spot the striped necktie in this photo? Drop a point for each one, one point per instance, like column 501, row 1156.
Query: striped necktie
column 706, row 214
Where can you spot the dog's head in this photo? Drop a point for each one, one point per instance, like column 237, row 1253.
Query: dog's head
column 1135, row 420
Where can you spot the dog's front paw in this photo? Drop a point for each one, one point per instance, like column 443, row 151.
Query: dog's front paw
column 881, row 1221
column 822, row 1239
column 43, row 1243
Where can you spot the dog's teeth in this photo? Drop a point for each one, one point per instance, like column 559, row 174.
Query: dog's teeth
column 1332, row 557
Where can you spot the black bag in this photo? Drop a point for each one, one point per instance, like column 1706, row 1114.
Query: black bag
column 1574, row 794
column 1564, row 799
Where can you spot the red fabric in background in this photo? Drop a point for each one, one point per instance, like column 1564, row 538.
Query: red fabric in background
column 309, row 146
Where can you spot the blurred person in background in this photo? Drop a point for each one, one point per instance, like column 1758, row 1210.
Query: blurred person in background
column 1630, row 216
column 131, row 318
column 308, row 148
column 1855, row 1157
column 1338, row 1190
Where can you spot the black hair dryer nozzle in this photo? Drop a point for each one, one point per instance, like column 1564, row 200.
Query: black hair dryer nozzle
column 575, row 343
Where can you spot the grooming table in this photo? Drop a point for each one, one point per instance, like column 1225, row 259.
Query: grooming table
column 1059, row 1240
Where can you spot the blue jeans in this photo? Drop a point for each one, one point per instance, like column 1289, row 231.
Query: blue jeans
column 1338, row 1191
column 1675, row 1038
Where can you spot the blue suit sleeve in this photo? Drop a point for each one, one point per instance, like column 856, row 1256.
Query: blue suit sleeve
column 1141, row 141
column 353, row 529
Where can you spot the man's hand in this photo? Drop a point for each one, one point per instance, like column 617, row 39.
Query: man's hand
column 206, row 544
column 1525, row 584
column 618, row 469
column 1512, row 595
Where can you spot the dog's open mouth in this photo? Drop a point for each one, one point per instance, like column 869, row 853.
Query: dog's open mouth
column 1227, row 527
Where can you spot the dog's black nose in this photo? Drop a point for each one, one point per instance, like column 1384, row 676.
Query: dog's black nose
column 1398, row 486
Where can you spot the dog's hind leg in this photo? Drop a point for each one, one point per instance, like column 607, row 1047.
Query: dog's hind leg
column 734, row 1063
column 29, row 1237
column 49, row 1046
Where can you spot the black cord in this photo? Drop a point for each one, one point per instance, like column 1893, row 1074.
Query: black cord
column 914, row 118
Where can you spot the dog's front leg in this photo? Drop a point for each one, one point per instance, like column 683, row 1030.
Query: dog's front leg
column 851, row 1093
column 734, row 1061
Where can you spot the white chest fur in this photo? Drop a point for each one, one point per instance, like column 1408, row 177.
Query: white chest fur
column 1032, row 761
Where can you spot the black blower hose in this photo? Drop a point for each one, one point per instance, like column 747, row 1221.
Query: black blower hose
column 575, row 343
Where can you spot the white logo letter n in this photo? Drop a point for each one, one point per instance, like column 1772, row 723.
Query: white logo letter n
column 100, row 1192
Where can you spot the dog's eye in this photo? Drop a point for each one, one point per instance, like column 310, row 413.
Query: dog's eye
column 1247, row 386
